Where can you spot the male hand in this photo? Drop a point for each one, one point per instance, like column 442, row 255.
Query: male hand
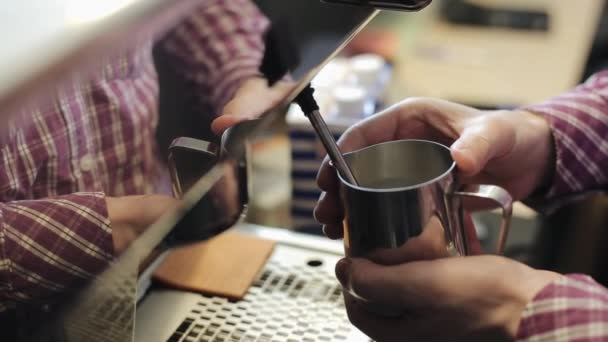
column 512, row 149
column 253, row 98
column 130, row 216
column 477, row 298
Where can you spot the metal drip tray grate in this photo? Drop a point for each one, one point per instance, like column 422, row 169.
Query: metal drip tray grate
column 295, row 298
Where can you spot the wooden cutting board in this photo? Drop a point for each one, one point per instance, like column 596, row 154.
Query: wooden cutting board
column 223, row 266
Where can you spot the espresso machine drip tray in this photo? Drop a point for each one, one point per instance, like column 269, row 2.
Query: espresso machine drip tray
column 296, row 297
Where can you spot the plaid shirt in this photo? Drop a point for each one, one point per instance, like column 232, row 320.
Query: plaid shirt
column 574, row 307
column 96, row 138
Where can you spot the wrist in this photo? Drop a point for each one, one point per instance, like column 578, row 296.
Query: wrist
column 131, row 215
column 543, row 150
column 522, row 291
column 120, row 211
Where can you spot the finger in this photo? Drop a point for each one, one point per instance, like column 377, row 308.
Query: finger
column 409, row 119
column 379, row 128
column 333, row 231
column 140, row 210
column 376, row 327
column 401, row 121
column 480, row 143
column 414, row 118
column 222, row 123
column 482, row 178
column 252, row 99
column 328, row 209
column 376, row 129
column 407, row 285
column 327, row 178
column 368, row 280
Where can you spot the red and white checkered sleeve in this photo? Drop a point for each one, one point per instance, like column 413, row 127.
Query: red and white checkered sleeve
column 48, row 246
column 572, row 308
column 579, row 122
column 217, row 47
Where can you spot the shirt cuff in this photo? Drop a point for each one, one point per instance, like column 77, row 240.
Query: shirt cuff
column 236, row 75
column 561, row 182
column 573, row 307
column 575, row 159
column 51, row 245
column 579, row 122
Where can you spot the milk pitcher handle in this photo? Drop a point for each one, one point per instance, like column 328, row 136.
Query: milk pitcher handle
column 501, row 197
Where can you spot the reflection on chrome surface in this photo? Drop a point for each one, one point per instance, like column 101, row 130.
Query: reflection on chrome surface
column 213, row 189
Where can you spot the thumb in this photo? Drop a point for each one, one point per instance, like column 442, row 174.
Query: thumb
column 222, row 123
column 479, row 144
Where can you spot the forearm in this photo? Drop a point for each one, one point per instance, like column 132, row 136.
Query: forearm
column 50, row 245
column 579, row 123
column 218, row 47
column 572, row 308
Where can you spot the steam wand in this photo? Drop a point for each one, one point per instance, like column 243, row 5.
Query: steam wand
column 309, row 106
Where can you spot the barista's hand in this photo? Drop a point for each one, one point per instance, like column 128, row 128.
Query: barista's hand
column 478, row 298
column 253, row 98
column 513, row 149
column 131, row 215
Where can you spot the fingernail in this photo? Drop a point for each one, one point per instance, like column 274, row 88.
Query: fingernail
column 343, row 270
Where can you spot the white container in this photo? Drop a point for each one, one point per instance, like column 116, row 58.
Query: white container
column 373, row 73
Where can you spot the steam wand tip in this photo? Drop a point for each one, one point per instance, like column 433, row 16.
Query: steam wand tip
column 309, row 106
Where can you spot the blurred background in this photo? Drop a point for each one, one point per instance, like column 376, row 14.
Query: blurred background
column 483, row 53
